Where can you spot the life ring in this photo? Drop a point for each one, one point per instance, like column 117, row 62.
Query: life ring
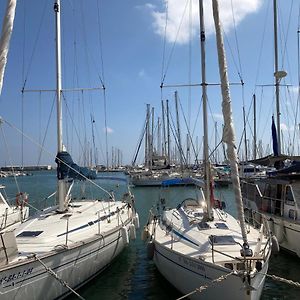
column 21, row 199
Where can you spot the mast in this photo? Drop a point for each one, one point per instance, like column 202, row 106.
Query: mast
column 164, row 128
column 254, row 126
column 205, row 126
column 245, row 135
column 147, row 137
column 229, row 134
column 168, row 134
column 178, row 132
column 61, row 182
column 152, row 139
column 7, row 27
column 277, row 79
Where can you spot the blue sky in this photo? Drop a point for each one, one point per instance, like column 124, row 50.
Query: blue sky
column 133, row 34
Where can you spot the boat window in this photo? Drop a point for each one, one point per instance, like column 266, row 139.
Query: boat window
column 203, row 225
column 222, row 240
column 29, row 233
column 293, row 214
column 296, row 193
column 289, row 198
column 270, row 191
column 221, row 225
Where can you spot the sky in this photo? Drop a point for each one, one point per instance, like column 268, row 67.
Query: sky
column 130, row 47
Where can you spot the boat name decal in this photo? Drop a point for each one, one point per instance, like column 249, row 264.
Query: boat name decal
column 192, row 264
column 14, row 276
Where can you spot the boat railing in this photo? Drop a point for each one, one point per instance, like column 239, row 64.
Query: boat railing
column 243, row 262
column 251, row 192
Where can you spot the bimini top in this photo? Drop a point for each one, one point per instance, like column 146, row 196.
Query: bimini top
column 183, row 181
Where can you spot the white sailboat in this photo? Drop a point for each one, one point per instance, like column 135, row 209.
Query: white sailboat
column 203, row 251
column 63, row 247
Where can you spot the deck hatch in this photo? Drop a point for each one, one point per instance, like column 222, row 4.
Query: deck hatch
column 203, row 225
column 221, row 225
column 222, row 240
column 29, row 233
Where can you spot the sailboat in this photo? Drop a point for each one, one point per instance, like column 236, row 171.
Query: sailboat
column 203, row 251
column 277, row 195
column 61, row 248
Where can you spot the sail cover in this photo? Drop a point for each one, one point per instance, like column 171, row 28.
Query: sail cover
column 66, row 168
column 7, row 28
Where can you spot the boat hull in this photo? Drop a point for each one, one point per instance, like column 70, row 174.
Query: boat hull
column 187, row 274
column 76, row 266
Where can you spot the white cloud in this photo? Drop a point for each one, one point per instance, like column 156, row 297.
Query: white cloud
column 179, row 10
column 141, row 73
column 217, row 116
column 108, row 129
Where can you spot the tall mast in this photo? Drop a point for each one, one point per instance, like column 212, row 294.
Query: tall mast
column 277, row 79
column 147, row 144
column 168, row 134
column 178, row 132
column 245, row 134
column 204, row 99
column 254, row 126
column 164, row 128
column 61, row 183
column 229, row 134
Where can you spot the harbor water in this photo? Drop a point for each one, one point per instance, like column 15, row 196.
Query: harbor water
column 132, row 275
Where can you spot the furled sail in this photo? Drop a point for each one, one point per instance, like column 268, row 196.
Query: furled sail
column 7, row 28
column 66, row 168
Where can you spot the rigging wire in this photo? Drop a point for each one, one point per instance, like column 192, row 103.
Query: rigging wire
column 35, row 44
column 173, row 46
column 47, row 127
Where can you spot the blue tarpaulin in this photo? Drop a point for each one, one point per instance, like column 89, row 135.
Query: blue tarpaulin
column 66, row 168
column 181, row 181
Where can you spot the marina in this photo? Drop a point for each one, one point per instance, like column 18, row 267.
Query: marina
column 202, row 203
column 132, row 275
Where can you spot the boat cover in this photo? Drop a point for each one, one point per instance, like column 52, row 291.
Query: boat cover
column 66, row 168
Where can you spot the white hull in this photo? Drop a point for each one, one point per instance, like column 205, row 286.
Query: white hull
column 187, row 274
column 76, row 266
column 96, row 234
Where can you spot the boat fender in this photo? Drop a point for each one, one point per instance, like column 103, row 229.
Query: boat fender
column 271, row 225
column 275, row 244
column 132, row 231
column 136, row 221
column 150, row 250
column 125, row 236
column 145, row 233
column 280, row 234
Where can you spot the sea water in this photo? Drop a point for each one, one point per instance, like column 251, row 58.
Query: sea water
column 132, row 275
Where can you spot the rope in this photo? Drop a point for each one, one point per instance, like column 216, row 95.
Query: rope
column 206, row 286
column 284, row 280
column 60, row 280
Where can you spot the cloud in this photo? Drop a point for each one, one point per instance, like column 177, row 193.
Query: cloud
column 141, row 73
column 178, row 17
column 217, row 116
column 108, row 129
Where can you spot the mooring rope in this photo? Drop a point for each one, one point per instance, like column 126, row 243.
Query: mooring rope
column 204, row 287
column 284, row 280
column 60, row 280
